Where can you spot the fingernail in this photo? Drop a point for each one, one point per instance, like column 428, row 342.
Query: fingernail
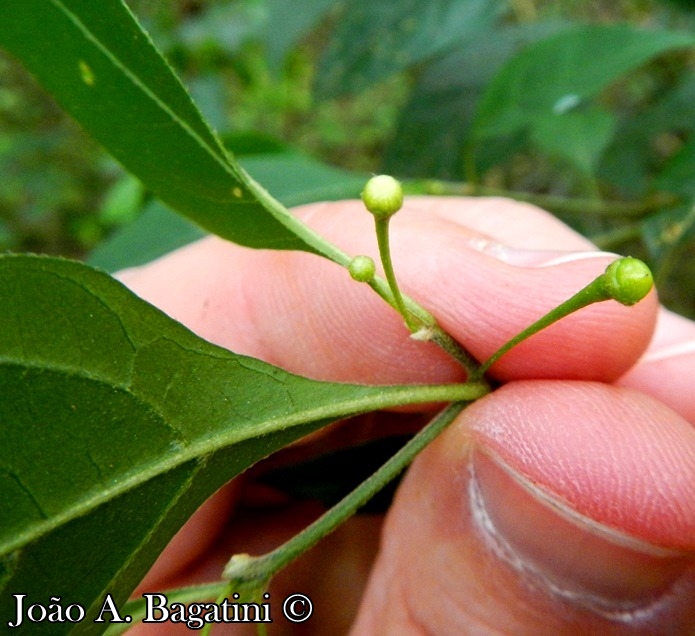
column 532, row 258
column 671, row 351
column 569, row 554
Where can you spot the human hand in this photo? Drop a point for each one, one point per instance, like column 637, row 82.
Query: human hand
column 562, row 503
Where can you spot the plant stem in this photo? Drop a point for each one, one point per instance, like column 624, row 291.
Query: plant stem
column 568, row 205
column 245, row 570
column 418, row 320
column 611, row 239
column 382, row 237
column 592, row 293
column 429, row 323
column 335, row 254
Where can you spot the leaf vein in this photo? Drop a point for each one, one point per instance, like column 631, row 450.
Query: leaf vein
column 27, row 491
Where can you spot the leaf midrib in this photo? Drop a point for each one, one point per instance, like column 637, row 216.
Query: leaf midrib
column 202, row 448
column 219, row 158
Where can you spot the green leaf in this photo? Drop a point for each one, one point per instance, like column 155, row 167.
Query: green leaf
column 154, row 233
column 566, row 70
column 298, row 179
column 666, row 231
column 287, row 21
column 669, row 231
column 577, row 137
column 376, row 39
column 221, row 26
column 669, row 234
column 116, row 423
column 437, row 120
column 629, row 162
column 678, row 175
column 122, row 202
column 209, row 92
column 104, row 70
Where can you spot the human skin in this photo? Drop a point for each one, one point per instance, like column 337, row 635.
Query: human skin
column 562, row 503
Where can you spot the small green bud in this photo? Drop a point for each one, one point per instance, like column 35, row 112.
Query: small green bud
column 362, row 268
column 383, row 196
column 238, row 566
column 628, row 280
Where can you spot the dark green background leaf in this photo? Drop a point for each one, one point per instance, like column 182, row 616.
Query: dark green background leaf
column 678, row 174
column 155, row 232
column 670, row 230
column 667, row 230
column 565, row 70
column 577, row 137
column 294, row 178
column 376, row 39
column 287, row 21
column 436, row 122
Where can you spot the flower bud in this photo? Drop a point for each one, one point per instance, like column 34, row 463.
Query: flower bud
column 383, row 196
column 362, row 268
column 628, row 280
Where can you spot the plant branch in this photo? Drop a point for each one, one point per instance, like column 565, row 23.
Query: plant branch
column 382, row 236
column 245, row 570
column 379, row 285
column 429, row 325
column 626, row 280
column 567, row 205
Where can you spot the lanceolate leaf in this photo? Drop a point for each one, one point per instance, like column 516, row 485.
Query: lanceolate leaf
column 116, row 423
column 103, row 69
column 560, row 72
column 577, row 137
column 435, row 123
column 670, row 230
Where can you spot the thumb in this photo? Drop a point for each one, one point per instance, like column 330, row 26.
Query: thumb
column 549, row 507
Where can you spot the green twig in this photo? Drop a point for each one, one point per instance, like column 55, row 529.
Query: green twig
column 567, row 205
column 333, row 252
column 626, row 280
column 382, row 236
column 383, row 197
column 246, row 570
column 427, row 324
column 611, row 239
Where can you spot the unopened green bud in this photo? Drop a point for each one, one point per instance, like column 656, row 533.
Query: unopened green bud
column 238, row 567
column 383, row 196
column 362, row 268
column 628, row 280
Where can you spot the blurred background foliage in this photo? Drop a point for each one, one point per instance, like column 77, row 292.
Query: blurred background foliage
column 584, row 107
